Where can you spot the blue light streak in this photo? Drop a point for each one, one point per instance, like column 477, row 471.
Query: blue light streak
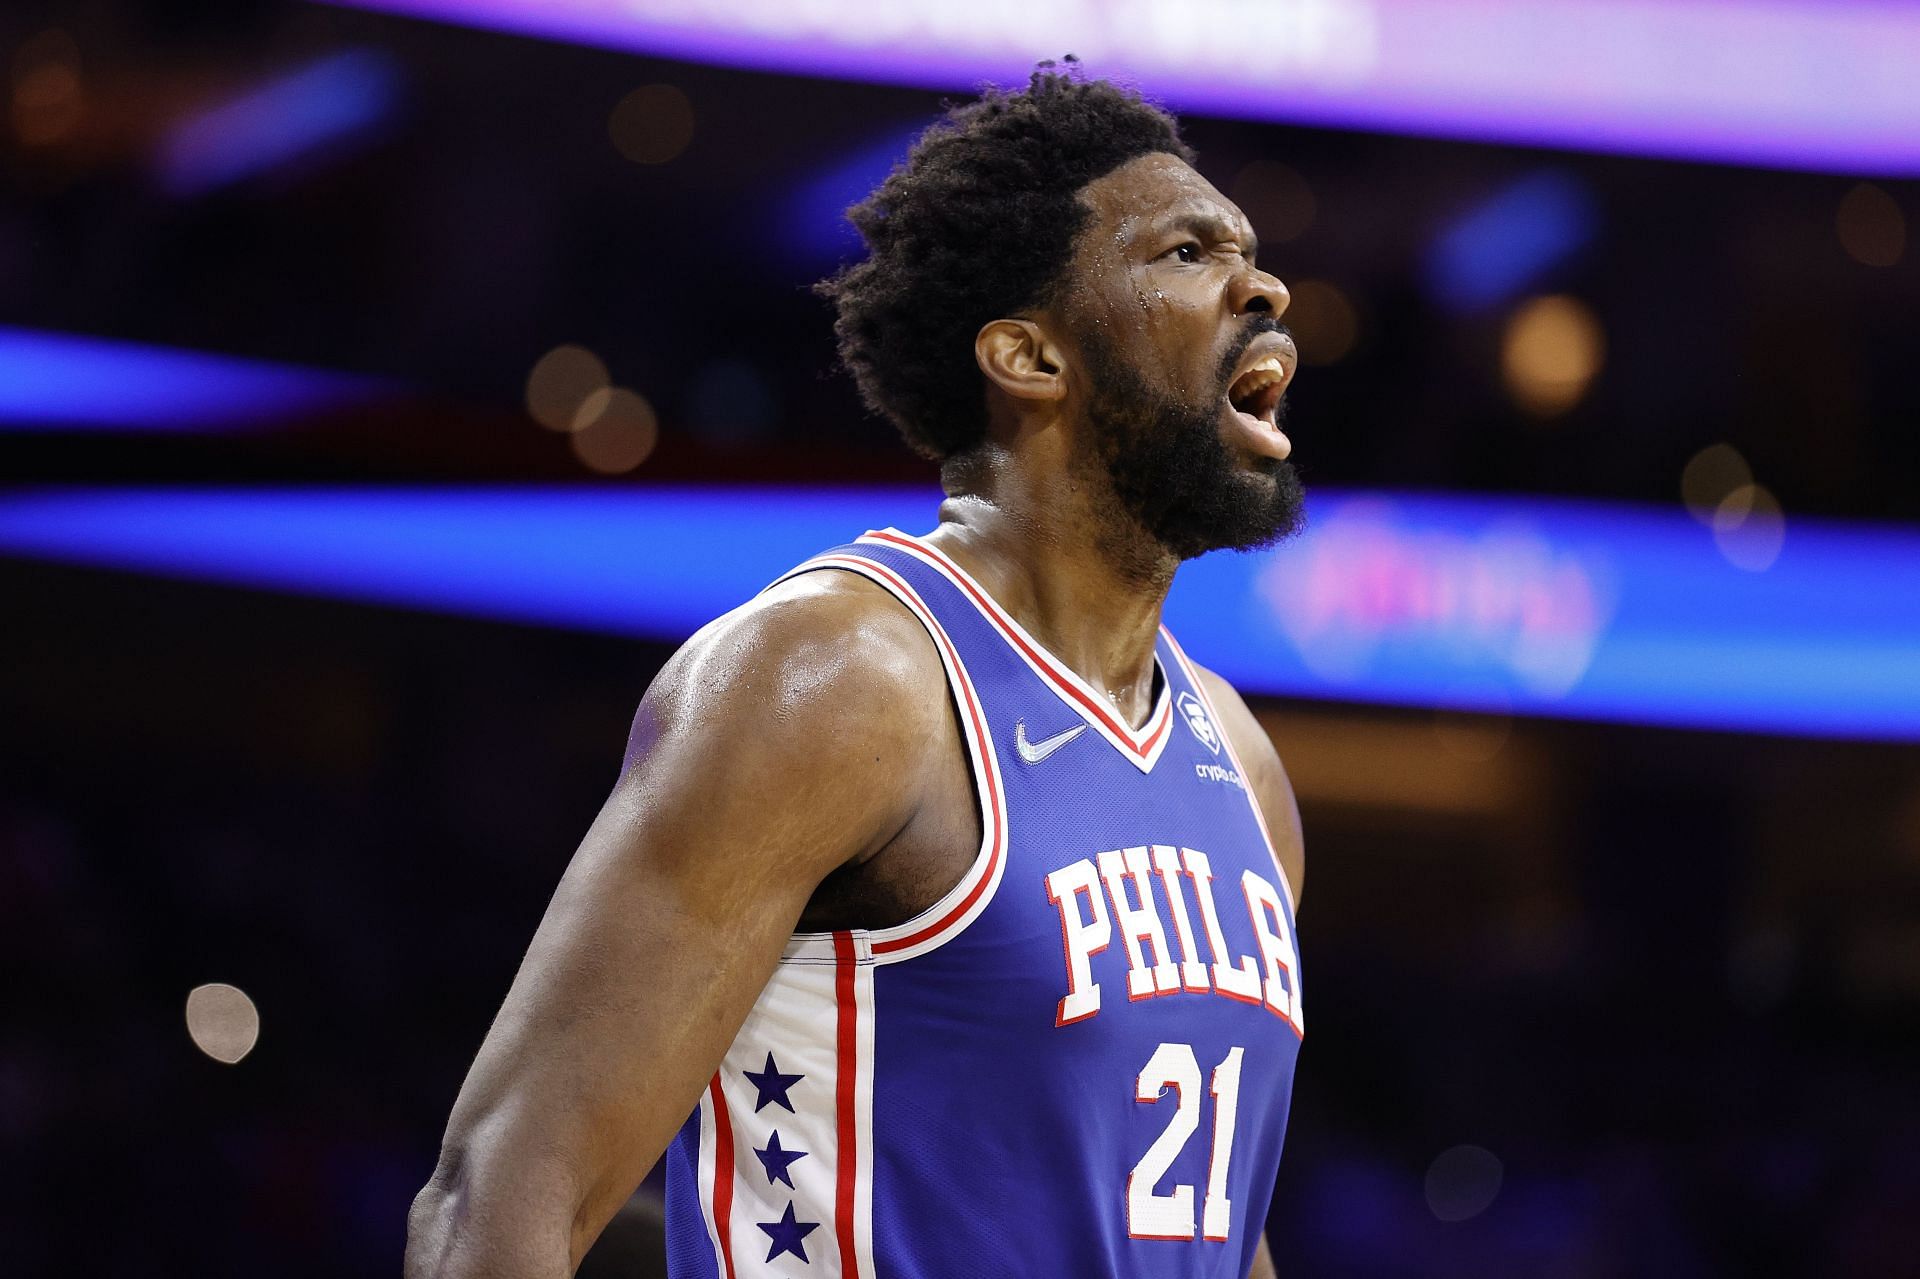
column 59, row 381
column 1578, row 610
column 1502, row 245
column 813, row 217
column 335, row 97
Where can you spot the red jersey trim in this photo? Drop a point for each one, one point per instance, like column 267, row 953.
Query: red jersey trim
column 846, row 1051
column 722, row 1174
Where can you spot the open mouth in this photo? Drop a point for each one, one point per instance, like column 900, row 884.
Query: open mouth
column 1257, row 392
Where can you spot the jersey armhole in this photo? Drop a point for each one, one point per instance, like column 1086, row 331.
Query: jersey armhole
column 967, row 899
column 1226, row 739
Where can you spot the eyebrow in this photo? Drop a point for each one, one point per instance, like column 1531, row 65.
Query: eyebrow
column 1210, row 226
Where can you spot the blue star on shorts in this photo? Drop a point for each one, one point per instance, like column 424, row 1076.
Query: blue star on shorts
column 772, row 1086
column 787, row 1233
column 776, row 1161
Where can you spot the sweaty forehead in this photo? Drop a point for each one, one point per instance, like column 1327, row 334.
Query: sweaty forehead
column 1151, row 192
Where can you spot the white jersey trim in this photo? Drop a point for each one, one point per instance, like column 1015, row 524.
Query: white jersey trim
column 709, row 1183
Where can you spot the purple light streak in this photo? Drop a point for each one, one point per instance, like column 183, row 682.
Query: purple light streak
column 1824, row 86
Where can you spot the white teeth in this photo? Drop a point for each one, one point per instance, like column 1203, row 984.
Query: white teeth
column 1256, row 379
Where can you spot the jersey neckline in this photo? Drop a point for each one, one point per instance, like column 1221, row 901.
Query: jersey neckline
column 1142, row 746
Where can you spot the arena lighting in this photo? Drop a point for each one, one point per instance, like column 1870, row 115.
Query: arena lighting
column 321, row 103
column 1462, row 1182
column 1551, row 350
column 1534, row 606
column 62, row 381
column 222, row 1021
column 1503, row 244
column 812, row 218
column 1806, row 84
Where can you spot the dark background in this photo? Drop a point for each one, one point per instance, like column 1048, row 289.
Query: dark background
column 1669, row 980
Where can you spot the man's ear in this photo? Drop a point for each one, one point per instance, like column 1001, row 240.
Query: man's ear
column 1018, row 357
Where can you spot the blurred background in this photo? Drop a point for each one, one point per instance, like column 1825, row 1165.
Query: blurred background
column 385, row 390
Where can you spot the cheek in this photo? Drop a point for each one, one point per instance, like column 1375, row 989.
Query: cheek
column 1152, row 324
column 1160, row 316
column 1183, row 337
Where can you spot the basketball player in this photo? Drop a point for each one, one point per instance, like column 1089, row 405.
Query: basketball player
column 942, row 922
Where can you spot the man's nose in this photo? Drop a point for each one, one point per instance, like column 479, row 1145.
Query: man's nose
column 1254, row 292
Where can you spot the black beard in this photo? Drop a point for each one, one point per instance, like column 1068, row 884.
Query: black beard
column 1171, row 471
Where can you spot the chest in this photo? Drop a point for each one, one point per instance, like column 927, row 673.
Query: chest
column 1128, row 998
column 1127, row 888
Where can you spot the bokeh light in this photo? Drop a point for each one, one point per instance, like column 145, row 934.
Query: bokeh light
column 1463, row 1182
column 48, row 97
column 1551, row 351
column 1275, row 198
column 1749, row 528
column 1872, row 229
column 652, row 125
column 615, row 431
column 1709, row 476
column 560, row 384
column 223, row 1021
column 1323, row 321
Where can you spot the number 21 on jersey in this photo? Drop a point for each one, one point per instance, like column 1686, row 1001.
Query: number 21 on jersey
column 1170, row 1216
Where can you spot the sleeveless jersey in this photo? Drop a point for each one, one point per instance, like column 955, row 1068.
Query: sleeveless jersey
column 1076, row 1063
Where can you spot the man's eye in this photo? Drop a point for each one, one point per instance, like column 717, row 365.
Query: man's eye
column 1188, row 252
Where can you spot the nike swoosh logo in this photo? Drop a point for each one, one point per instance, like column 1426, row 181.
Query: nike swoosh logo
column 1034, row 752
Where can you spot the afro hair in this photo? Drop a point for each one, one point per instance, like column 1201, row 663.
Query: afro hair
column 977, row 223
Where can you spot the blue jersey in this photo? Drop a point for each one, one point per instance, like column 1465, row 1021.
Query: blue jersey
column 1077, row 1062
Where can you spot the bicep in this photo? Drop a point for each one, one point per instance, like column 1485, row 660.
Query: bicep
column 752, row 774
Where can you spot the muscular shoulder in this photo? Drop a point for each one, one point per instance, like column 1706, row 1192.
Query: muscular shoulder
column 819, row 639
column 822, row 690
column 1266, row 776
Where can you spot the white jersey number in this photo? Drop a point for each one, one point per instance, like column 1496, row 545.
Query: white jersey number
column 1170, row 1216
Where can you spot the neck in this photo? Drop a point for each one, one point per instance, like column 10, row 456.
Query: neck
column 1054, row 551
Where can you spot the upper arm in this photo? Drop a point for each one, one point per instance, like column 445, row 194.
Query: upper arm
column 783, row 742
column 1262, row 1261
column 1266, row 778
